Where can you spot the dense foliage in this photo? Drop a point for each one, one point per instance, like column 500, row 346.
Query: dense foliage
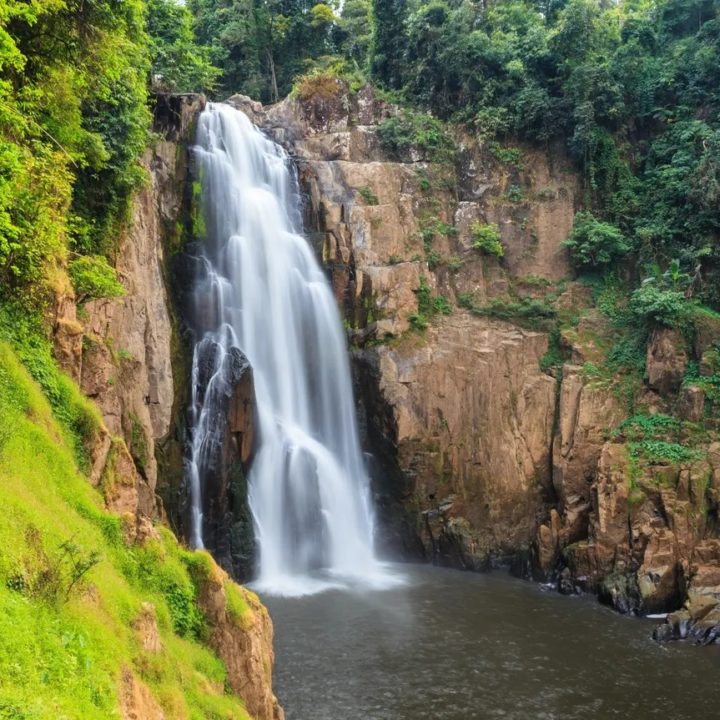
column 630, row 87
column 74, row 120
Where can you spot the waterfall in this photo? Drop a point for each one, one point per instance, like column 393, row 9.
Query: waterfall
column 262, row 294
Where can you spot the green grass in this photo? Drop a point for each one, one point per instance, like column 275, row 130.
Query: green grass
column 659, row 451
column 78, row 418
column 60, row 657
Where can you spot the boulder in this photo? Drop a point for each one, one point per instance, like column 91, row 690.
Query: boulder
column 666, row 360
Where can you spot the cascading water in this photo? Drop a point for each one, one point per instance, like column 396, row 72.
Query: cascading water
column 263, row 294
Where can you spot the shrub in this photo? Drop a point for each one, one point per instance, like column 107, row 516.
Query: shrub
column 425, row 134
column 52, row 577
column 651, row 305
column 659, row 451
column 593, row 243
column 515, row 194
column 428, row 305
column 368, row 195
column 442, row 305
column 645, row 427
column 486, row 239
column 433, row 259
column 318, row 86
column 93, row 277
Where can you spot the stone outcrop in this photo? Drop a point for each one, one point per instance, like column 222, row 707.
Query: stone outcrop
column 471, row 418
column 227, row 524
column 666, row 361
column 135, row 699
column 241, row 632
column 585, row 412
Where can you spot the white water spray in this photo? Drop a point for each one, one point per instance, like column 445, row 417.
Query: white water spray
column 263, row 292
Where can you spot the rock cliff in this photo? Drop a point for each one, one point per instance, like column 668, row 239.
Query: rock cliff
column 495, row 433
column 494, row 429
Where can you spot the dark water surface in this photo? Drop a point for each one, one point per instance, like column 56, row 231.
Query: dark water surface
column 454, row 646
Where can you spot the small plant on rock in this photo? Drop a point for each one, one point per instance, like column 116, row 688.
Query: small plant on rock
column 593, row 244
column 368, row 195
column 486, row 239
column 93, row 277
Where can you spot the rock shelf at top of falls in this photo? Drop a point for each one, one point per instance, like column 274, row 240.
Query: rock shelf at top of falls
column 260, row 294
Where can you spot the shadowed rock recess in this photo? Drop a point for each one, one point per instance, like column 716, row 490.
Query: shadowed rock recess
column 493, row 431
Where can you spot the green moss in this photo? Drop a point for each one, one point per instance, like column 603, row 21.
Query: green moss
column 526, row 312
column 138, row 443
column 237, row 606
column 197, row 219
column 553, row 359
column 79, row 419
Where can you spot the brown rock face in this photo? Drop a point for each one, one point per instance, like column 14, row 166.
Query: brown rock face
column 459, row 419
column 666, row 361
column 121, row 351
column 241, row 633
column 646, row 528
column 476, row 452
column 136, row 701
column 471, row 417
column 126, row 365
column 585, row 413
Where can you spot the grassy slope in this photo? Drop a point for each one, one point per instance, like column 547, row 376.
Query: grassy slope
column 61, row 658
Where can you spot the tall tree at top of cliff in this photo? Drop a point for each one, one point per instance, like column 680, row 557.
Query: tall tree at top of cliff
column 388, row 46
column 260, row 46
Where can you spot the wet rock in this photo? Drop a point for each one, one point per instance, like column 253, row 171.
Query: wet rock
column 659, row 578
column 548, row 545
column 664, row 633
column 227, row 525
column 706, row 630
column 621, row 592
column 566, row 583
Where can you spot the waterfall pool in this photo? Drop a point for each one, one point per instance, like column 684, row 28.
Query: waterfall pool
column 447, row 645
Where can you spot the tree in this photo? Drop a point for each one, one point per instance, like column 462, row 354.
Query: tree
column 388, row 43
column 594, row 244
column 178, row 62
